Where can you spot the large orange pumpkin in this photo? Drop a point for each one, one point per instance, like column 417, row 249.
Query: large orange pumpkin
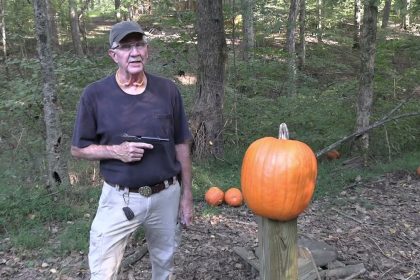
column 278, row 176
column 214, row 196
column 233, row 197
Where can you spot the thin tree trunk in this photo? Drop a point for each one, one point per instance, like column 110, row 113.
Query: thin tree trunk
column 319, row 19
column 57, row 167
column 82, row 23
column 117, row 5
column 404, row 13
column 207, row 116
column 52, row 26
column 3, row 30
column 357, row 17
column 233, row 38
column 367, row 71
column 302, row 41
column 192, row 5
column 291, row 47
column 75, row 31
column 150, row 7
column 385, row 16
column 248, row 28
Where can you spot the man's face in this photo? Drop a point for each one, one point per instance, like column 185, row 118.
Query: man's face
column 130, row 54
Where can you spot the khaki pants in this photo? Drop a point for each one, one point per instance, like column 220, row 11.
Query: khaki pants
column 110, row 230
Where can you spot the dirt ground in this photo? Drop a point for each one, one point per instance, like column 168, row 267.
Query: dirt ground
column 376, row 223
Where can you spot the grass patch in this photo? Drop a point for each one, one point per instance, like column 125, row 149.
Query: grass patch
column 75, row 237
column 32, row 221
column 30, row 237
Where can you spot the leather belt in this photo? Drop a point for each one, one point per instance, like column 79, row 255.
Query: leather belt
column 148, row 190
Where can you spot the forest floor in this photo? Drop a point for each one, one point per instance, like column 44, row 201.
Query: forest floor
column 376, row 223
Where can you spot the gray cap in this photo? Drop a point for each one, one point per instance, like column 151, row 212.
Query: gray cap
column 122, row 29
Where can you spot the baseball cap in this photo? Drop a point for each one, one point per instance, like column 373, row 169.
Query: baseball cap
column 122, row 29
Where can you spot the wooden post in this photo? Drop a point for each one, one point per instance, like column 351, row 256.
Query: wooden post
column 278, row 249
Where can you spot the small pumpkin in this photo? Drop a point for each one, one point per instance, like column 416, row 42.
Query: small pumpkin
column 333, row 154
column 233, row 197
column 418, row 170
column 214, row 196
column 278, row 176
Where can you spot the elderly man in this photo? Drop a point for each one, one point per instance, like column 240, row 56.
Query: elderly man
column 134, row 123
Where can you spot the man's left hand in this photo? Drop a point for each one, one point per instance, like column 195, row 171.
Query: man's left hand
column 186, row 210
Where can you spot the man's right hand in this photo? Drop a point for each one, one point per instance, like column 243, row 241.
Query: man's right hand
column 131, row 151
column 126, row 152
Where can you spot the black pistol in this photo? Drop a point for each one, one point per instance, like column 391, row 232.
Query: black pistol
column 145, row 139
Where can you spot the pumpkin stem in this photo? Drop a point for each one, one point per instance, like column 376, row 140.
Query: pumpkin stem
column 283, row 132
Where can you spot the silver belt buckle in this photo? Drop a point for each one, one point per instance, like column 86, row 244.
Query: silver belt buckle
column 145, row 191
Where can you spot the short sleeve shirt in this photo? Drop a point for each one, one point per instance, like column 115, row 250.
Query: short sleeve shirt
column 105, row 113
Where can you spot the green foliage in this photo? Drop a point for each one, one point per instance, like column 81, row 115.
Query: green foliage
column 328, row 185
column 255, row 105
column 31, row 219
column 74, row 237
column 221, row 173
column 33, row 237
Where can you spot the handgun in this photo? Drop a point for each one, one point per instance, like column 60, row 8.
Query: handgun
column 144, row 139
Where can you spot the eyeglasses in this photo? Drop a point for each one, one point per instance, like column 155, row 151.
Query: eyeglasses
column 129, row 46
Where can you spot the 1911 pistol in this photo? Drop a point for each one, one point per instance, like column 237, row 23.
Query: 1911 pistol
column 145, row 139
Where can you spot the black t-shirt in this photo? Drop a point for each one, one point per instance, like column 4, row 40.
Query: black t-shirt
column 106, row 112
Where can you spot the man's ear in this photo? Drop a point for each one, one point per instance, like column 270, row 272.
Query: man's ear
column 113, row 55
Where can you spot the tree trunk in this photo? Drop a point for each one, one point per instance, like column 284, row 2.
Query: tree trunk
column 52, row 26
column 367, row 58
column 82, row 24
column 404, row 11
column 57, row 167
column 291, row 47
column 385, row 16
column 248, row 28
column 302, row 41
column 357, row 17
column 75, row 31
column 407, row 15
column 3, row 29
column 319, row 19
column 192, row 5
column 150, row 7
column 207, row 116
column 117, row 5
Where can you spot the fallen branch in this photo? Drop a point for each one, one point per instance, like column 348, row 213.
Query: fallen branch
column 248, row 257
column 363, row 131
column 135, row 257
column 354, row 275
column 383, row 253
column 347, row 216
column 382, row 121
column 344, row 272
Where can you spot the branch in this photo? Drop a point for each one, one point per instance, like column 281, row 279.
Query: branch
column 416, row 91
column 383, row 120
column 363, row 131
column 130, row 260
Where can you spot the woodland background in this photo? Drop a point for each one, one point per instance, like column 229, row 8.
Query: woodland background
column 328, row 68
